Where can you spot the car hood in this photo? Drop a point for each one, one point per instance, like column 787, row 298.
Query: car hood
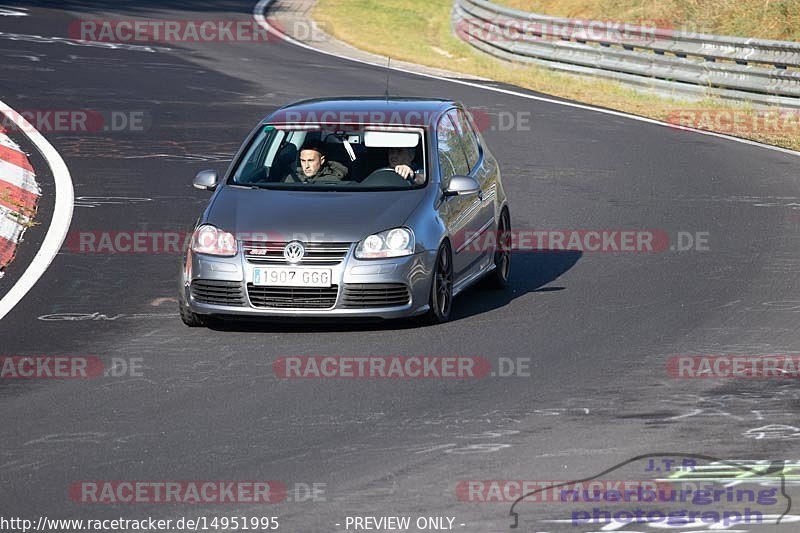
column 310, row 216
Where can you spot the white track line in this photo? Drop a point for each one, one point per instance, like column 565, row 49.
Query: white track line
column 262, row 5
column 62, row 213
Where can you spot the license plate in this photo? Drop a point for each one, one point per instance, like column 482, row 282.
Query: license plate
column 292, row 277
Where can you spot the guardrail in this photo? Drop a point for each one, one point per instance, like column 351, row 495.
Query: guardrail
column 754, row 70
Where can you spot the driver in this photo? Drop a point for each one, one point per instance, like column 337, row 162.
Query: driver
column 314, row 166
column 402, row 160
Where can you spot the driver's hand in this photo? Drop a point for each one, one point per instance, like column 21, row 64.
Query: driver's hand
column 404, row 170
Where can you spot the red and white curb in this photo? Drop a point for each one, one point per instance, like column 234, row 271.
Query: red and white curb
column 19, row 196
column 21, row 182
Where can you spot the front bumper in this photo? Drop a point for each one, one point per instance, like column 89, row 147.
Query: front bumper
column 414, row 272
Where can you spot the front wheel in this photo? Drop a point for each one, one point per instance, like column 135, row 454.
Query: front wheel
column 193, row 320
column 441, row 297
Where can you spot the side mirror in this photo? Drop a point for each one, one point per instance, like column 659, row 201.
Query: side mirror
column 206, row 180
column 462, row 186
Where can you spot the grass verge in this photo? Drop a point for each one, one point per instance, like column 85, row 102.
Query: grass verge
column 764, row 19
column 419, row 31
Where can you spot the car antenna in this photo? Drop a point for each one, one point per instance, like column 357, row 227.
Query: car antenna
column 388, row 71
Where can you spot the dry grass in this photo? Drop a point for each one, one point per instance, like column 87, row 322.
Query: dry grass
column 767, row 19
column 22, row 211
column 419, row 31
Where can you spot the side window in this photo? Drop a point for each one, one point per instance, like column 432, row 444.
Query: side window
column 255, row 158
column 452, row 160
column 469, row 138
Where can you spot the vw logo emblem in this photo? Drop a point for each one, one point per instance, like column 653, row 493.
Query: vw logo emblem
column 294, row 252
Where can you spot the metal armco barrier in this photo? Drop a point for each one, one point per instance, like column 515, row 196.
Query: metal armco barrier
column 753, row 70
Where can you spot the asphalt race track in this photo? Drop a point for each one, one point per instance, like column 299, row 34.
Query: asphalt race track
column 205, row 404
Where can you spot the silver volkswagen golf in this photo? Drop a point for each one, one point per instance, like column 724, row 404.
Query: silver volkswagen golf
column 349, row 207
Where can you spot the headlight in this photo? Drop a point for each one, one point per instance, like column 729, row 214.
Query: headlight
column 213, row 241
column 390, row 243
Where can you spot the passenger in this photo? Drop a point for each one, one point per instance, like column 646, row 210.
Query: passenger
column 402, row 159
column 314, row 166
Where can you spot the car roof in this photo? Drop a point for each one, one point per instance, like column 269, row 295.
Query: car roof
column 364, row 110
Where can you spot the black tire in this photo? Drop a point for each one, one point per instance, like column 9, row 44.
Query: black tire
column 441, row 297
column 193, row 320
column 498, row 278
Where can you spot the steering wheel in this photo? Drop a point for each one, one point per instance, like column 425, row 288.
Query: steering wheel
column 385, row 176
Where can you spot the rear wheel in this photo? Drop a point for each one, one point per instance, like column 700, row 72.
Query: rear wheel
column 441, row 298
column 498, row 278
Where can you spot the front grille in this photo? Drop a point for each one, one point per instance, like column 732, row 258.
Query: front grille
column 363, row 295
column 316, row 253
column 292, row 297
column 215, row 292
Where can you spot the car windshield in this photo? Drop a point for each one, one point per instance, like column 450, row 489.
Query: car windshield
column 334, row 158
